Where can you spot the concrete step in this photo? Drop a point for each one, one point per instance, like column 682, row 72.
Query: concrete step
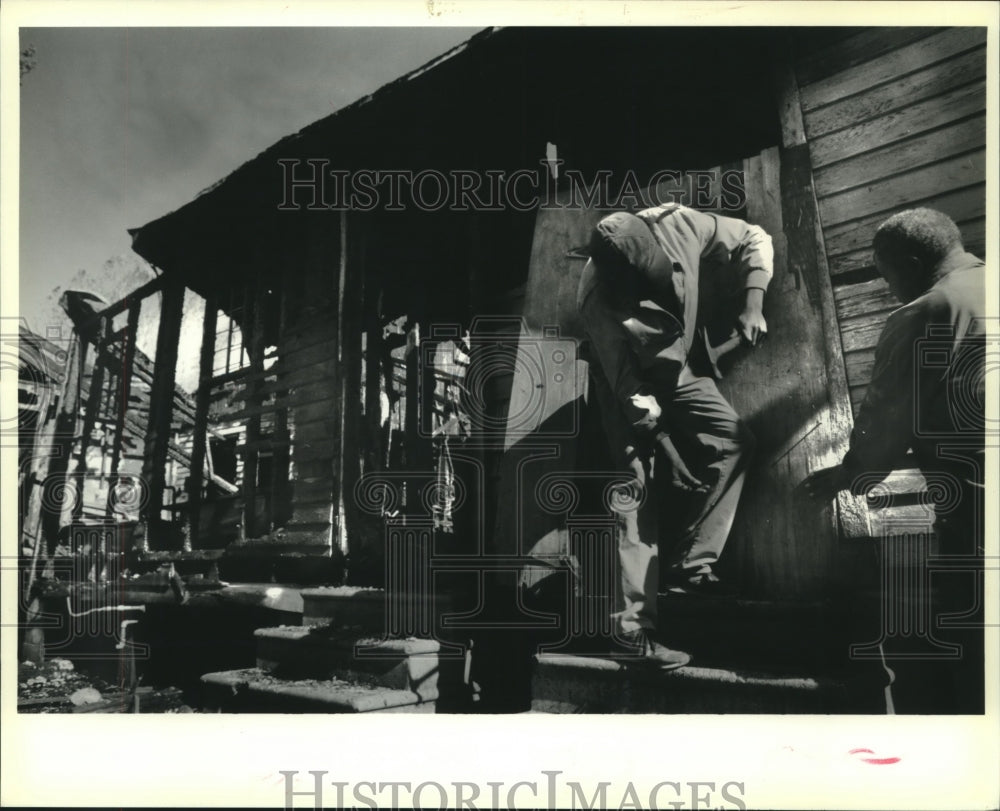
column 731, row 632
column 376, row 611
column 323, row 652
column 756, row 633
column 589, row 684
column 256, row 690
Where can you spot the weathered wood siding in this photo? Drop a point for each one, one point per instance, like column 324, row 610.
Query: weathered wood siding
column 791, row 392
column 308, row 354
column 894, row 118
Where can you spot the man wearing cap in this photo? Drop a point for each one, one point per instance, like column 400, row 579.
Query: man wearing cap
column 638, row 304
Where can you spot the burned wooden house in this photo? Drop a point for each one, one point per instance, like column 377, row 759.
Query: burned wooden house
column 372, row 372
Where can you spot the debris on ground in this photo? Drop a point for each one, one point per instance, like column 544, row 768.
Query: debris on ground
column 56, row 686
column 85, row 695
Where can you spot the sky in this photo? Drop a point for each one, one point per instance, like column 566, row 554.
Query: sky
column 121, row 126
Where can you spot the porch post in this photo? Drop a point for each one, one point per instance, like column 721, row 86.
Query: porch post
column 161, row 401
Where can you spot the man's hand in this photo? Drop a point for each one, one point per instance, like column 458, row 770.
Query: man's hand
column 646, row 405
column 824, row 484
column 680, row 476
column 752, row 325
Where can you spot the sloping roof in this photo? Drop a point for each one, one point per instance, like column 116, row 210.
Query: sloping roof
column 645, row 99
column 145, row 238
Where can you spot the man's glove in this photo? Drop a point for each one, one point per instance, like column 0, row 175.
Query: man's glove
column 646, row 405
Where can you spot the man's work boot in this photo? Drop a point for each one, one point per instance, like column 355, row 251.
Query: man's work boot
column 637, row 647
column 699, row 585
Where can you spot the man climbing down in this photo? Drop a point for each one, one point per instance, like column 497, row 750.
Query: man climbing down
column 638, row 303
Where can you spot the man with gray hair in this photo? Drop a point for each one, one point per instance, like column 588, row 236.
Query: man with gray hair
column 927, row 395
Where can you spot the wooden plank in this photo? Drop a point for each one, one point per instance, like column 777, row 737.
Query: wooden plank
column 50, row 455
column 314, row 416
column 520, row 524
column 133, row 298
column 783, row 392
column 340, row 256
column 307, row 365
column 259, row 410
column 315, row 470
column 314, row 487
column 857, row 397
column 90, row 418
column 320, row 330
column 902, row 92
column 903, row 190
column 550, row 304
column 900, row 124
column 142, row 369
column 303, row 365
column 374, row 450
column 303, row 452
column 793, row 128
column 820, row 63
column 355, row 290
column 857, row 299
column 254, row 343
column 807, row 250
column 415, row 454
column 312, row 513
column 268, row 445
column 307, row 324
column 291, row 383
column 859, row 366
column 315, row 351
column 205, row 364
column 962, row 205
column 903, row 156
column 162, row 398
column 124, row 392
column 973, row 237
column 286, row 385
column 897, row 62
column 315, row 388
column 306, row 540
column 90, row 414
column 862, row 333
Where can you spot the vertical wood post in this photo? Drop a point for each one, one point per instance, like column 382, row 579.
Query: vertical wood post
column 281, row 461
column 352, row 312
column 339, row 536
column 124, row 392
column 161, row 399
column 91, row 413
column 64, row 437
column 373, row 370
column 808, row 249
column 254, row 321
column 206, row 363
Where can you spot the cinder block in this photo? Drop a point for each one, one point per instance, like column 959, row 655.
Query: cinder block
column 322, row 652
column 375, row 611
column 596, row 685
column 254, row 690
